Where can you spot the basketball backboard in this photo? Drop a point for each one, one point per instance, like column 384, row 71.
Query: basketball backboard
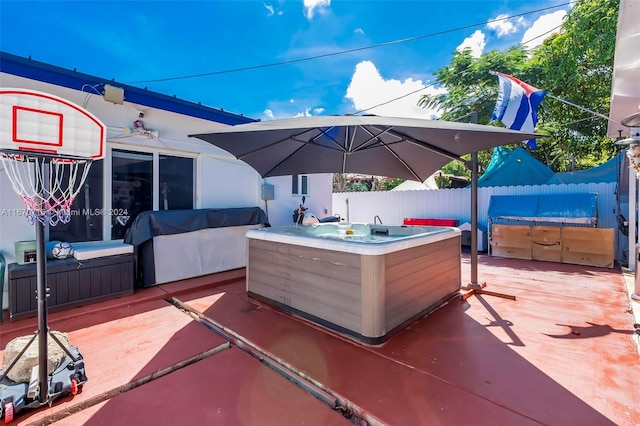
column 37, row 122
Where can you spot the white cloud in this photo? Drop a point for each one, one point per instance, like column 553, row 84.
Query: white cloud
column 476, row 42
column 368, row 88
column 306, row 113
column 312, row 6
column 542, row 28
column 288, row 109
column 272, row 10
column 504, row 27
column 358, row 31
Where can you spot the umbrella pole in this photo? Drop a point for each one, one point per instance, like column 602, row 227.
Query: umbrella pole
column 474, row 219
column 474, row 287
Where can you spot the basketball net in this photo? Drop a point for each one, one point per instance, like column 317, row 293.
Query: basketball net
column 47, row 194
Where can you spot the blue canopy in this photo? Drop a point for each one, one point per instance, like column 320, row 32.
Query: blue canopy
column 606, row 172
column 514, row 167
column 518, row 167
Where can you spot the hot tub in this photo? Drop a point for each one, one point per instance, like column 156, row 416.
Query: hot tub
column 362, row 280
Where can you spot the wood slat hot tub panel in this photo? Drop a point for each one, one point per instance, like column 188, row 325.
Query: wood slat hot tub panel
column 304, row 287
column 292, row 264
column 265, row 272
column 373, row 296
column 321, row 283
column 399, row 267
column 333, row 313
column 412, row 285
column 419, row 277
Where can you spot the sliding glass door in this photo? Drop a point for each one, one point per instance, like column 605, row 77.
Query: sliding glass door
column 132, row 189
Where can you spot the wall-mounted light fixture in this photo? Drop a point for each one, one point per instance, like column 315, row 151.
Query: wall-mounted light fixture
column 113, row 94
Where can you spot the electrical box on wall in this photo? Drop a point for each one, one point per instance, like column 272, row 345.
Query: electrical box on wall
column 113, row 94
column 268, row 192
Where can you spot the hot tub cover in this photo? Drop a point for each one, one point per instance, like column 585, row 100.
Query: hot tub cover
column 557, row 208
column 150, row 224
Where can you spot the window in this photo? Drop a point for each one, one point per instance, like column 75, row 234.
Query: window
column 175, row 188
column 300, row 185
column 140, row 181
column 131, row 189
column 86, row 220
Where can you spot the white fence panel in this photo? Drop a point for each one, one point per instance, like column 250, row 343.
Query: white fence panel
column 393, row 206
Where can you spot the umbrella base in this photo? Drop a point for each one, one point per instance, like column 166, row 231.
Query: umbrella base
column 474, row 288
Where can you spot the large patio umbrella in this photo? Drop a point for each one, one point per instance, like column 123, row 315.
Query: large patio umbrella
column 406, row 148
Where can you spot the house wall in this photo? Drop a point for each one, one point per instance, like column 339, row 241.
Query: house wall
column 221, row 180
column 318, row 201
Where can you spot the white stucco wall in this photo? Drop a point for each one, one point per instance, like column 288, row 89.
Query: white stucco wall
column 221, row 180
column 227, row 182
column 318, row 201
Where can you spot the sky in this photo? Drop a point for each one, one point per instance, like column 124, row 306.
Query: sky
column 275, row 59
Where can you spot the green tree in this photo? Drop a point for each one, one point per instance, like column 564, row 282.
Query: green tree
column 339, row 182
column 391, row 183
column 574, row 64
column 471, row 88
column 456, row 168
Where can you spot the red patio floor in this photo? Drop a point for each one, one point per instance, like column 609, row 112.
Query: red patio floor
column 561, row 353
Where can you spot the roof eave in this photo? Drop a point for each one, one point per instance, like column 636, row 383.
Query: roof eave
column 40, row 71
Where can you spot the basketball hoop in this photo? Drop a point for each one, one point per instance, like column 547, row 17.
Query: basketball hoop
column 47, row 194
column 47, row 146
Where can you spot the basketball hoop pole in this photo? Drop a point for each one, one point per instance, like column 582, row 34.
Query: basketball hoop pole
column 43, row 328
column 41, row 281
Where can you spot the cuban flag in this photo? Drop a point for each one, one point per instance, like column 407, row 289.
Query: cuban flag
column 517, row 105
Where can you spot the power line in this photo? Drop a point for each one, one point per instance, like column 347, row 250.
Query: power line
column 342, row 52
column 523, row 44
column 394, row 99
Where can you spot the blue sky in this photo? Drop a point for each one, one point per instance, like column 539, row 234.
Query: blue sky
column 133, row 42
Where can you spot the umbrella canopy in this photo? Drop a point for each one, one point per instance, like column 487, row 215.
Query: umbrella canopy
column 406, row 148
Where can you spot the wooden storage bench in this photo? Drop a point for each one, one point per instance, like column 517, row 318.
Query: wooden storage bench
column 565, row 244
column 71, row 282
column 555, row 228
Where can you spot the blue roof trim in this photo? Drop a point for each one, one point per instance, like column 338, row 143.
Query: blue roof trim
column 28, row 68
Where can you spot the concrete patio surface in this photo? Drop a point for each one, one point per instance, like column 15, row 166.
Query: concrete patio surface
column 199, row 352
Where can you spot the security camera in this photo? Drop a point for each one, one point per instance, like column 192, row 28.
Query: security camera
column 140, row 114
